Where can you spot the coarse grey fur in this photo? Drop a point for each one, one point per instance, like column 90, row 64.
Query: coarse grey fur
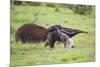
column 67, row 41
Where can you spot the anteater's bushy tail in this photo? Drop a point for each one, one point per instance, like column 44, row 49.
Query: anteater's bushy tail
column 74, row 31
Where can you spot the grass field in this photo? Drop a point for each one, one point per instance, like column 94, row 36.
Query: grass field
column 36, row 53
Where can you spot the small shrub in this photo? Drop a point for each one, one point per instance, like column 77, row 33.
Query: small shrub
column 82, row 9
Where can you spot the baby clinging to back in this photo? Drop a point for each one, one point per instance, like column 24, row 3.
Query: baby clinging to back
column 67, row 41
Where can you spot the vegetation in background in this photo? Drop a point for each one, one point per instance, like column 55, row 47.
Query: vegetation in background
column 80, row 9
column 47, row 14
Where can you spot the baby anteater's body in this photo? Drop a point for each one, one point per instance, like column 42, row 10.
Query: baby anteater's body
column 67, row 41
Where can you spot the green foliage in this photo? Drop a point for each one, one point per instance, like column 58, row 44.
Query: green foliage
column 36, row 53
column 82, row 9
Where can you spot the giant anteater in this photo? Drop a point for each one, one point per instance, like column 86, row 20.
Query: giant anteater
column 53, row 35
column 31, row 33
column 36, row 33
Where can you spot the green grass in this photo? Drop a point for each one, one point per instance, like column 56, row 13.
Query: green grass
column 36, row 53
